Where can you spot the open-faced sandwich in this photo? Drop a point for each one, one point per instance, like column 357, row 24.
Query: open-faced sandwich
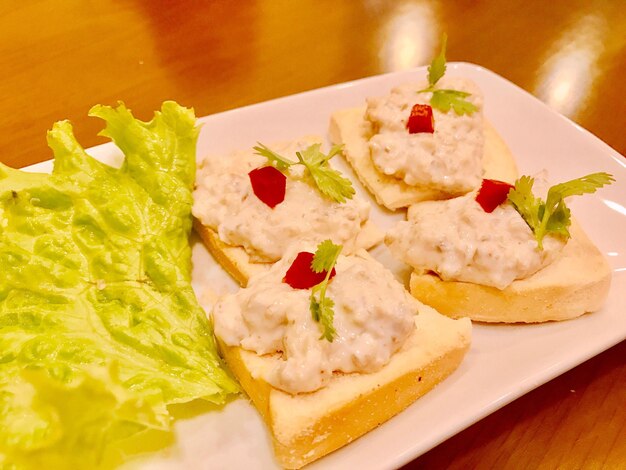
column 423, row 141
column 250, row 205
column 329, row 346
column 504, row 255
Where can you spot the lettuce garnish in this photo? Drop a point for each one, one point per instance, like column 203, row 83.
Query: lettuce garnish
column 99, row 327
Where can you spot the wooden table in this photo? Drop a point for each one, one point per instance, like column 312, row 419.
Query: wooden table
column 59, row 58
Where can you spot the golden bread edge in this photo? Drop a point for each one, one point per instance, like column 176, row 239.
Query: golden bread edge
column 576, row 282
column 308, row 426
column 233, row 259
column 350, row 128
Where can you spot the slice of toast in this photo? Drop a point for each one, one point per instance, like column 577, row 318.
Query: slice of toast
column 576, row 282
column 350, row 128
column 236, row 261
column 307, row 426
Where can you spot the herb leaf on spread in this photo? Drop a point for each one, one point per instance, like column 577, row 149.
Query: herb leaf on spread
column 443, row 100
column 446, row 99
column 437, row 67
column 273, row 158
column 325, row 256
column 329, row 181
column 321, row 306
column 552, row 216
column 100, row 329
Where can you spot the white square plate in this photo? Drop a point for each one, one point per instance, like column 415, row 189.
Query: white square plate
column 504, row 361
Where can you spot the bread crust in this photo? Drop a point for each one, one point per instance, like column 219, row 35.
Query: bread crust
column 233, row 259
column 350, row 128
column 307, row 426
column 576, row 282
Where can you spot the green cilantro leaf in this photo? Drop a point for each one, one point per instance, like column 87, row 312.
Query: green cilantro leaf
column 325, row 256
column 437, row 67
column 321, row 307
column 525, row 202
column 274, row 159
column 577, row 187
column 443, row 100
column 552, row 216
column 559, row 221
column 329, row 181
column 323, row 313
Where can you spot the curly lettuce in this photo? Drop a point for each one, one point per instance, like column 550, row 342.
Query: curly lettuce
column 99, row 327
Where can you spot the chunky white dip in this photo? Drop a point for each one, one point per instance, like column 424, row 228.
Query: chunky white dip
column 459, row 241
column 225, row 202
column 450, row 159
column 373, row 318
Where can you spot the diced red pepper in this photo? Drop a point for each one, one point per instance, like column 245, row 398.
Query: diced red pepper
column 268, row 185
column 421, row 119
column 300, row 275
column 492, row 193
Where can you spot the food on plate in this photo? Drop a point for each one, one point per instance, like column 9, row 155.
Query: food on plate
column 423, row 141
column 328, row 346
column 250, row 205
column 99, row 327
column 503, row 254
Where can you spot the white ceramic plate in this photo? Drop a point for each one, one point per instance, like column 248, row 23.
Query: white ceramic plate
column 504, row 361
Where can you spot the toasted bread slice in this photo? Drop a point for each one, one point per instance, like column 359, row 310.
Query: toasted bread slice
column 307, row 426
column 576, row 282
column 236, row 261
column 350, row 128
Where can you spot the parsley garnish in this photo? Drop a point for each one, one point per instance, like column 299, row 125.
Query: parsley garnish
column 444, row 99
column 322, row 307
column 328, row 180
column 552, row 216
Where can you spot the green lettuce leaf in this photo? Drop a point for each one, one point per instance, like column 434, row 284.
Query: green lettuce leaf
column 99, row 327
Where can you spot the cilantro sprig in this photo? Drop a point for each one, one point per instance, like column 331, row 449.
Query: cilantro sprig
column 329, row 181
column 552, row 216
column 321, row 306
column 437, row 67
column 446, row 99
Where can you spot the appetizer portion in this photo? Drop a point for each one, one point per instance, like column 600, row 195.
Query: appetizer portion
column 100, row 329
column 251, row 205
column 321, row 340
column 424, row 145
column 504, row 255
column 423, row 141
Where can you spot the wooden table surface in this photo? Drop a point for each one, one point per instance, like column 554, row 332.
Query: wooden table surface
column 57, row 59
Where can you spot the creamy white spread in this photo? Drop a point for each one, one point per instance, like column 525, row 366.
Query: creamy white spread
column 373, row 318
column 225, row 202
column 450, row 159
column 459, row 241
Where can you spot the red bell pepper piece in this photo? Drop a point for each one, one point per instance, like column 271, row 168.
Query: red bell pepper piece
column 300, row 275
column 421, row 119
column 268, row 185
column 492, row 193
